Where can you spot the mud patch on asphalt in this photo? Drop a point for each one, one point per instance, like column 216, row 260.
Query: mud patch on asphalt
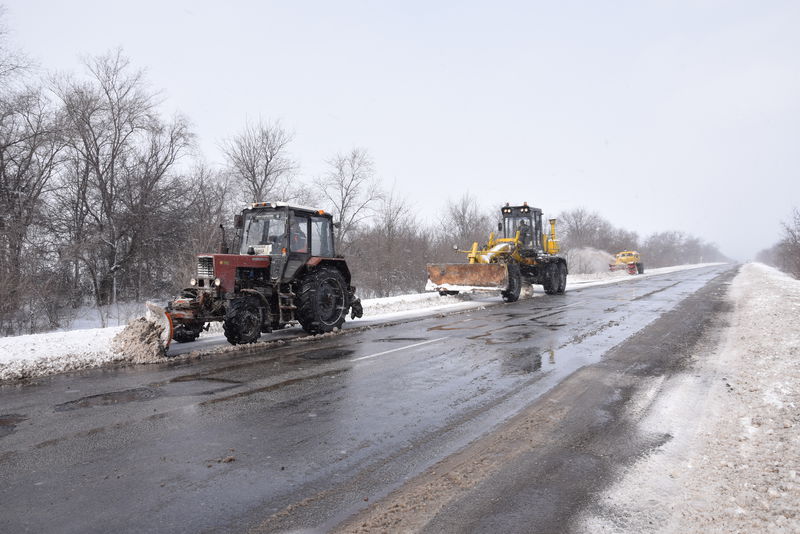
column 406, row 339
column 140, row 342
column 9, row 422
column 327, row 354
column 108, row 399
column 274, row 387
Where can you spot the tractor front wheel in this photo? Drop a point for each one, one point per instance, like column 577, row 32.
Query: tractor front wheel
column 511, row 294
column 242, row 322
column 322, row 301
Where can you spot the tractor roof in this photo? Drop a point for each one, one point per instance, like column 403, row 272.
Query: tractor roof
column 280, row 204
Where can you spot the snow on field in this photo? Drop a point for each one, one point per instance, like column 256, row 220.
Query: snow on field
column 56, row 352
column 732, row 461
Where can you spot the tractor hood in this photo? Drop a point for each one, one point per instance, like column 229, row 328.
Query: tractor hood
column 219, row 270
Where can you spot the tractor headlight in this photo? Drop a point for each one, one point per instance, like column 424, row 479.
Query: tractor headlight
column 217, row 282
column 192, row 282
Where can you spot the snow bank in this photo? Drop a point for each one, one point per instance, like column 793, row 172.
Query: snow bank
column 56, row 352
column 732, row 462
column 141, row 341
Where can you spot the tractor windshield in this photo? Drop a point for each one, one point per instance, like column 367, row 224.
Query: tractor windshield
column 265, row 232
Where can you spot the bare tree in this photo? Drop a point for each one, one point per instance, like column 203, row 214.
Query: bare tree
column 122, row 154
column 389, row 256
column 12, row 62
column 29, row 146
column 581, row 228
column 464, row 222
column 351, row 189
column 210, row 205
column 789, row 246
column 258, row 161
column 298, row 192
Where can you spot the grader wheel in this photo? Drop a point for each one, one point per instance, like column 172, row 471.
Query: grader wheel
column 511, row 294
column 562, row 278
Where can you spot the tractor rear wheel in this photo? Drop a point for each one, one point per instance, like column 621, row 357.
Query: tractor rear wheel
column 550, row 281
column 242, row 322
column 511, row 294
column 322, row 301
column 562, row 278
column 640, row 268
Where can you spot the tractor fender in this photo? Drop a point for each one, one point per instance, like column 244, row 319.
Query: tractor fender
column 260, row 295
column 337, row 263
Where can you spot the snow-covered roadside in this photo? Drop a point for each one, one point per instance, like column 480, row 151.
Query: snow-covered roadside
column 732, row 462
column 57, row 352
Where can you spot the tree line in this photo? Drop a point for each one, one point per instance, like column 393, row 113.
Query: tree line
column 584, row 229
column 785, row 254
column 104, row 198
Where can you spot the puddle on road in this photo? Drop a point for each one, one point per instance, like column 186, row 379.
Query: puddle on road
column 107, row 399
column 9, row 422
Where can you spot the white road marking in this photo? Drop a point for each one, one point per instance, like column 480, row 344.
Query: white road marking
column 397, row 349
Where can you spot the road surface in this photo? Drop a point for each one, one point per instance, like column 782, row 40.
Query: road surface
column 507, row 418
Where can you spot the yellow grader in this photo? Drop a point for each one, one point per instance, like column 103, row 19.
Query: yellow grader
column 524, row 253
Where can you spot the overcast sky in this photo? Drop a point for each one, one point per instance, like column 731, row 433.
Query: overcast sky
column 658, row 115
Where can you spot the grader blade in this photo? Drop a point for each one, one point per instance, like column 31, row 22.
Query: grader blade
column 465, row 276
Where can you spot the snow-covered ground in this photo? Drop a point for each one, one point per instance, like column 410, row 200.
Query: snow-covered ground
column 733, row 459
column 55, row 352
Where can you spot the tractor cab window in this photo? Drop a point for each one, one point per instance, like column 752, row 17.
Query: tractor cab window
column 298, row 236
column 512, row 224
column 321, row 237
column 264, row 232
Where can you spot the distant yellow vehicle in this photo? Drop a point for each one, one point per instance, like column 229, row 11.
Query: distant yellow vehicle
column 627, row 260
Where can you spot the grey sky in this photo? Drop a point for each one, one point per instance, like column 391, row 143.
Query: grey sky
column 657, row 115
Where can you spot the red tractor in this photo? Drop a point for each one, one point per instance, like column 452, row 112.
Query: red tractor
column 282, row 268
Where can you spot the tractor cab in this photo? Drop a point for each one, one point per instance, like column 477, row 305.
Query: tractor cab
column 288, row 235
column 523, row 219
column 279, row 229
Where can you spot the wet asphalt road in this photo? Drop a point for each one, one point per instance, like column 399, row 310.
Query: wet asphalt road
column 304, row 435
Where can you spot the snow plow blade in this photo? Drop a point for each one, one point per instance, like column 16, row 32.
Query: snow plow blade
column 158, row 315
column 467, row 276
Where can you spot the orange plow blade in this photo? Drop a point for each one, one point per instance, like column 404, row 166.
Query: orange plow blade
column 466, row 276
column 158, row 315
